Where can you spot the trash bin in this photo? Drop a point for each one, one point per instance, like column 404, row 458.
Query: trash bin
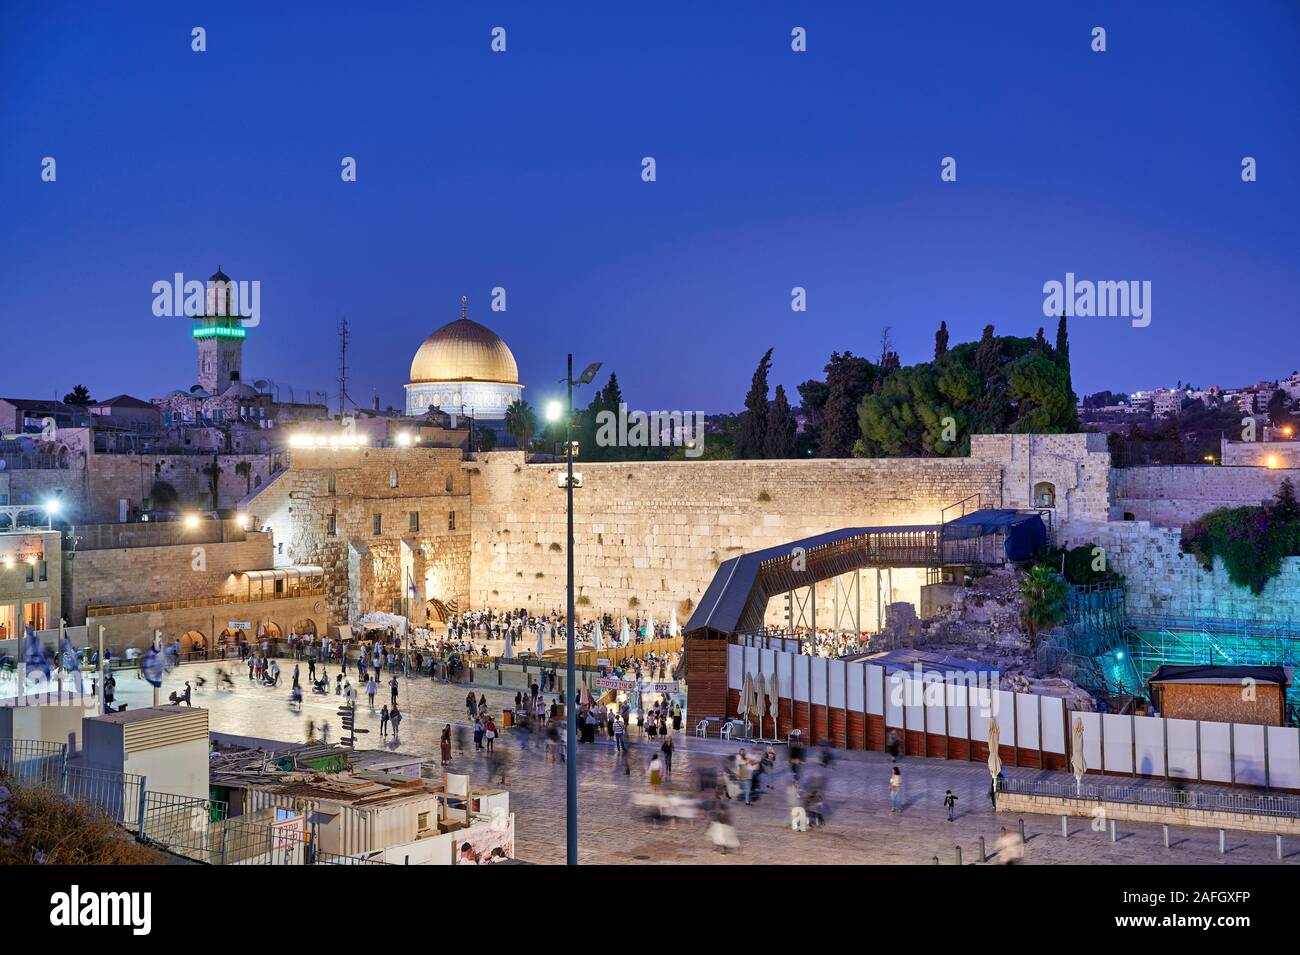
column 508, row 718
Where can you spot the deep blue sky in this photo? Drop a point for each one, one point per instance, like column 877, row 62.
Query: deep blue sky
column 522, row 170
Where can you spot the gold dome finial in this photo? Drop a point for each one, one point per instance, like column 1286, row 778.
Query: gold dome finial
column 464, row 306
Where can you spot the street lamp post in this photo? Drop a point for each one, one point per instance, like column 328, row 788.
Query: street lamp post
column 570, row 679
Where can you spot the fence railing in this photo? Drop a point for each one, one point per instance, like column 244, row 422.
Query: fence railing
column 118, row 795
column 33, row 762
column 1283, row 806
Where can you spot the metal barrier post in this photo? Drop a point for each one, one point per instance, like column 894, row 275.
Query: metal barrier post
column 983, row 856
column 1165, row 827
column 1022, row 832
column 1278, row 837
column 959, row 855
column 1112, row 830
column 1065, row 827
column 140, row 812
column 1223, row 837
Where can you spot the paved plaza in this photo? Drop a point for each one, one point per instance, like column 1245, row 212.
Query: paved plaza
column 860, row 827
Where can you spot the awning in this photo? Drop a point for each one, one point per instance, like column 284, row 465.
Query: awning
column 284, row 573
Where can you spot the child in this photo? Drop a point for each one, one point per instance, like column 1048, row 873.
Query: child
column 949, row 802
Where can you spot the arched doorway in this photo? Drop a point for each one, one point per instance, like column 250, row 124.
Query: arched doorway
column 193, row 642
column 305, row 628
column 229, row 641
column 1044, row 494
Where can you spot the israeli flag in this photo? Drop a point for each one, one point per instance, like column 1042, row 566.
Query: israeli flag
column 34, row 654
column 151, row 666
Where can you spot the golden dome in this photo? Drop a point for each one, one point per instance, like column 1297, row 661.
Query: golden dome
column 464, row 350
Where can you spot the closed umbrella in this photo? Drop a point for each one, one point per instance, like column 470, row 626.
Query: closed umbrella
column 650, row 627
column 626, row 636
column 673, row 629
column 508, row 651
column 1077, row 762
column 773, row 697
column 760, row 701
column 595, row 635
column 541, row 637
column 995, row 761
column 746, row 696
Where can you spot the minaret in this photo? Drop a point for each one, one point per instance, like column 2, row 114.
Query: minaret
column 219, row 335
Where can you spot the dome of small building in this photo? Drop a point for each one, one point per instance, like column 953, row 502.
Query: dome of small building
column 464, row 350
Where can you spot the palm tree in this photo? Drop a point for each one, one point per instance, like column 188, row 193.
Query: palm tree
column 521, row 421
column 1042, row 594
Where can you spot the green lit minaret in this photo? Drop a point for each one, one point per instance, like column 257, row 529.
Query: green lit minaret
column 219, row 335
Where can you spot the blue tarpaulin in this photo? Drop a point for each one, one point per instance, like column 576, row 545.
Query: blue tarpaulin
column 1026, row 533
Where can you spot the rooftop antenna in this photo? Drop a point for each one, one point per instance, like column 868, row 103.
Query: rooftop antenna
column 344, row 339
column 464, row 307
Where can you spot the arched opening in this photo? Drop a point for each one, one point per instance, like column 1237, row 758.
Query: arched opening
column 1044, row 494
column 269, row 631
column 305, row 628
column 229, row 640
column 193, row 641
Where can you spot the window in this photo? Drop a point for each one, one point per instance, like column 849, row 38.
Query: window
column 451, row 520
column 392, row 478
column 334, row 486
column 422, row 821
column 379, row 524
column 415, row 522
column 449, row 484
column 332, row 527
column 1044, row 494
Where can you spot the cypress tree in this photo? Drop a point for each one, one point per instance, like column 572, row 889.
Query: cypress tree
column 752, row 440
column 941, row 341
column 780, row 427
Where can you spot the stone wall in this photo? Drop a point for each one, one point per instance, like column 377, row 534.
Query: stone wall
column 1260, row 454
column 1075, row 466
column 1161, row 580
column 351, row 487
column 137, row 629
column 116, row 577
column 1171, row 496
column 657, row 531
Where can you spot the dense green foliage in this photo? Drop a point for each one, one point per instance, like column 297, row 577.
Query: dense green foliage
column 1000, row 384
column 1080, row 565
column 1251, row 541
column 1042, row 595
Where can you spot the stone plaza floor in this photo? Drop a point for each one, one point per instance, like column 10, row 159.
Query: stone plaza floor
column 860, row 828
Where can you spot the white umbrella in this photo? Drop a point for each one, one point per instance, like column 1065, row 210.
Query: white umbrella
column 626, row 637
column 746, row 697
column 508, row 651
column 995, row 761
column 760, row 701
column 650, row 627
column 773, row 696
column 1077, row 762
column 673, row 629
column 595, row 635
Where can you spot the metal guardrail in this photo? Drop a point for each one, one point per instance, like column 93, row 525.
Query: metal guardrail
column 34, row 762
column 1280, row 806
column 118, row 795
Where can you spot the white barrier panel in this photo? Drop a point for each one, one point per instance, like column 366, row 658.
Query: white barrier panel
column 895, row 687
column 1149, row 735
column 1004, row 708
column 1117, row 736
column 981, row 708
column 817, row 666
column 1216, row 752
column 837, row 691
column 956, row 697
column 785, row 675
column 735, row 667
column 1181, row 748
column 1284, row 757
column 855, row 675
column 751, row 661
column 936, row 705
column 914, row 700
column 1027, row 720
column 1091, row 739
column 767, row 662
column 874, row 677
column 1054, row 730
column 1248, row 754
column 801, row 687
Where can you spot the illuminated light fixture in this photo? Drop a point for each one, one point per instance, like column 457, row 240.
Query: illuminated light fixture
column 219, row 331
column 300, row 441
column 363, row 439
column 1288, row 430
column 320, row 440
column 554, row 410
column 191, row 521
column 53, row 506
column 1271, row 461
column 1119, row 654
column 31, row 561
column 404, row 439
column 334, row 441
column 9, row 562
column 242, row 521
